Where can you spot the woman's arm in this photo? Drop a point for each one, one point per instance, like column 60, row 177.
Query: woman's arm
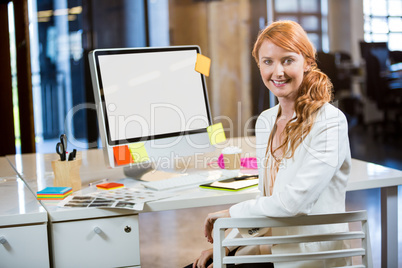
column 210, row 220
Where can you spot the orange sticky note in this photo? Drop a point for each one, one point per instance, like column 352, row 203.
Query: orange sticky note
column 122, row 155
column 203, row 64
column 110, row 186
column 216, row 133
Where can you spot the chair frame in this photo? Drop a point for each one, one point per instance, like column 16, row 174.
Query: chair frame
column 220, row 242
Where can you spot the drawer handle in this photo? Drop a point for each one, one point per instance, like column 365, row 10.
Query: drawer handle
column 97, row 230
column 3, row 240
column 127, row 229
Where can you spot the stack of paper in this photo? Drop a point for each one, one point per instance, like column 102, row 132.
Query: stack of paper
column 110, row 186
column 54, row 193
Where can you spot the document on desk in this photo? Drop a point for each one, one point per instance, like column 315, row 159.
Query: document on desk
column 124, row 198
column 232, row 184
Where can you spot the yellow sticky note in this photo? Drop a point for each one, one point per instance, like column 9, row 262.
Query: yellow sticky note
column 138, row 152
column 203, row 64
column 216, row 133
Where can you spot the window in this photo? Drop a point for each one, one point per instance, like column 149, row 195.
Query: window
column 310, row 14
column 383, row 22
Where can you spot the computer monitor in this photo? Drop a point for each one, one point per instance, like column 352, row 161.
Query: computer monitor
column 151, row 96
column 379, row 50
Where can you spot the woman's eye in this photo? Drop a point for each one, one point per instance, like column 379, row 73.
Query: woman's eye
column 288, row 61
column 268, row 62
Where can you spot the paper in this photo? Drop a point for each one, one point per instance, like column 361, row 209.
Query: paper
column 122, row 155
column 216, row 134
column 127, row 198
column 203, row 64
column 90, row 202
column 138, row 152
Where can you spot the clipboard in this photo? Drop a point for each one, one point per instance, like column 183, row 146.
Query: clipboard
column 232, row 184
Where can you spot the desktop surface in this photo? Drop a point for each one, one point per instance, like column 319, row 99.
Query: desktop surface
column 37, row 172
column 17, row 204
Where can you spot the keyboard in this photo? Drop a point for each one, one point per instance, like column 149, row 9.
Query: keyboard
column 193, row 179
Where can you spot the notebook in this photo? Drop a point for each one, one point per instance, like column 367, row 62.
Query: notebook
column 232, row 184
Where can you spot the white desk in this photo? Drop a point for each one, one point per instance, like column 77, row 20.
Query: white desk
column 366, row 175
column 23, row 223
column 36, row 171
column 73, row 236
column 83, row 237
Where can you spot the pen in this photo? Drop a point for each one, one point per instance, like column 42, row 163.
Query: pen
column 96, row 182
column 71, row 156
column 245, row 177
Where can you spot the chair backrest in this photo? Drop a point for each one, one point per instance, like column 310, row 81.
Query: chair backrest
column 326, row 62
column 379, row 50
column 363, row 250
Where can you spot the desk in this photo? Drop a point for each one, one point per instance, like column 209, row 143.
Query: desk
column 366, row 175
column 74, row 236
column 23, row 223
column 36, row 170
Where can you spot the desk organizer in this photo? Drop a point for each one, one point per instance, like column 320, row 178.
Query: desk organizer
column 67, row 174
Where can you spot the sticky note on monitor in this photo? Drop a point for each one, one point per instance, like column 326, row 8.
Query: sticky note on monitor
column 138, row 152
column 122, row 155
column 216, row 133
column 203, row 64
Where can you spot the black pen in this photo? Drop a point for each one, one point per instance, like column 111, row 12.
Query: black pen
column 245, row 177
column 71, row 156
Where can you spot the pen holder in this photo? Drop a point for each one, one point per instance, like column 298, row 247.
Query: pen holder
column 67, row 174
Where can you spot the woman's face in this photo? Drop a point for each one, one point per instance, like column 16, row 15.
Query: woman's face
column 281, row 70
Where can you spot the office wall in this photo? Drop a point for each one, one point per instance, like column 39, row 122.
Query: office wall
column 345, row 26
column 222, row 30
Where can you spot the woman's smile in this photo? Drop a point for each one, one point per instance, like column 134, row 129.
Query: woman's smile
column 280, row 83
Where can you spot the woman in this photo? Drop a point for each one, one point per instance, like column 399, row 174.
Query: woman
column 302, row 146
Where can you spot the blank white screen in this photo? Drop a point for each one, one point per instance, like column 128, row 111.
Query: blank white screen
column 152, row 93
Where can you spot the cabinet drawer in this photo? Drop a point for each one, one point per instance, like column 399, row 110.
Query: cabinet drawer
column 24, row 246
column 104, row 242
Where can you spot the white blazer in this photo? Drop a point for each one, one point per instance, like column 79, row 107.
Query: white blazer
column 313, row 181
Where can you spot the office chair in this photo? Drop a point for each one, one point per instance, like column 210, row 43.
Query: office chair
column 395, row 56
column 326, row 62
column 341, row 77
column 379, row 50
column 384, row 90
column 362, row 249
column 387, row 96
column 343, row 62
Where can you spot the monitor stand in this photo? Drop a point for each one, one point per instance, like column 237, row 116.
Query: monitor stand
column 136, row 171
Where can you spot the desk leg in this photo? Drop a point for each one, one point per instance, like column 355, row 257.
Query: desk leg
column 389, row 227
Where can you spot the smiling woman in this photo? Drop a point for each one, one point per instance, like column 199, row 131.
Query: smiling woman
column 302, row 149
column 286, row 59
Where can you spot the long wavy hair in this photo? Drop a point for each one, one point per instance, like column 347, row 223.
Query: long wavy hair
column 314, row 91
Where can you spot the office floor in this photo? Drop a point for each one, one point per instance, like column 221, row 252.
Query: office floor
column 175, row 238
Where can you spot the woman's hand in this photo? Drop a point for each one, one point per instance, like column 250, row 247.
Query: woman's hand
column 204, row 258
column 209, row 222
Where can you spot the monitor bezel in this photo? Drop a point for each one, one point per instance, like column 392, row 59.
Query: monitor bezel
column 122, row 51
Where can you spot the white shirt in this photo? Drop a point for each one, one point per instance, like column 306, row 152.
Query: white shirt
column 313, row 181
